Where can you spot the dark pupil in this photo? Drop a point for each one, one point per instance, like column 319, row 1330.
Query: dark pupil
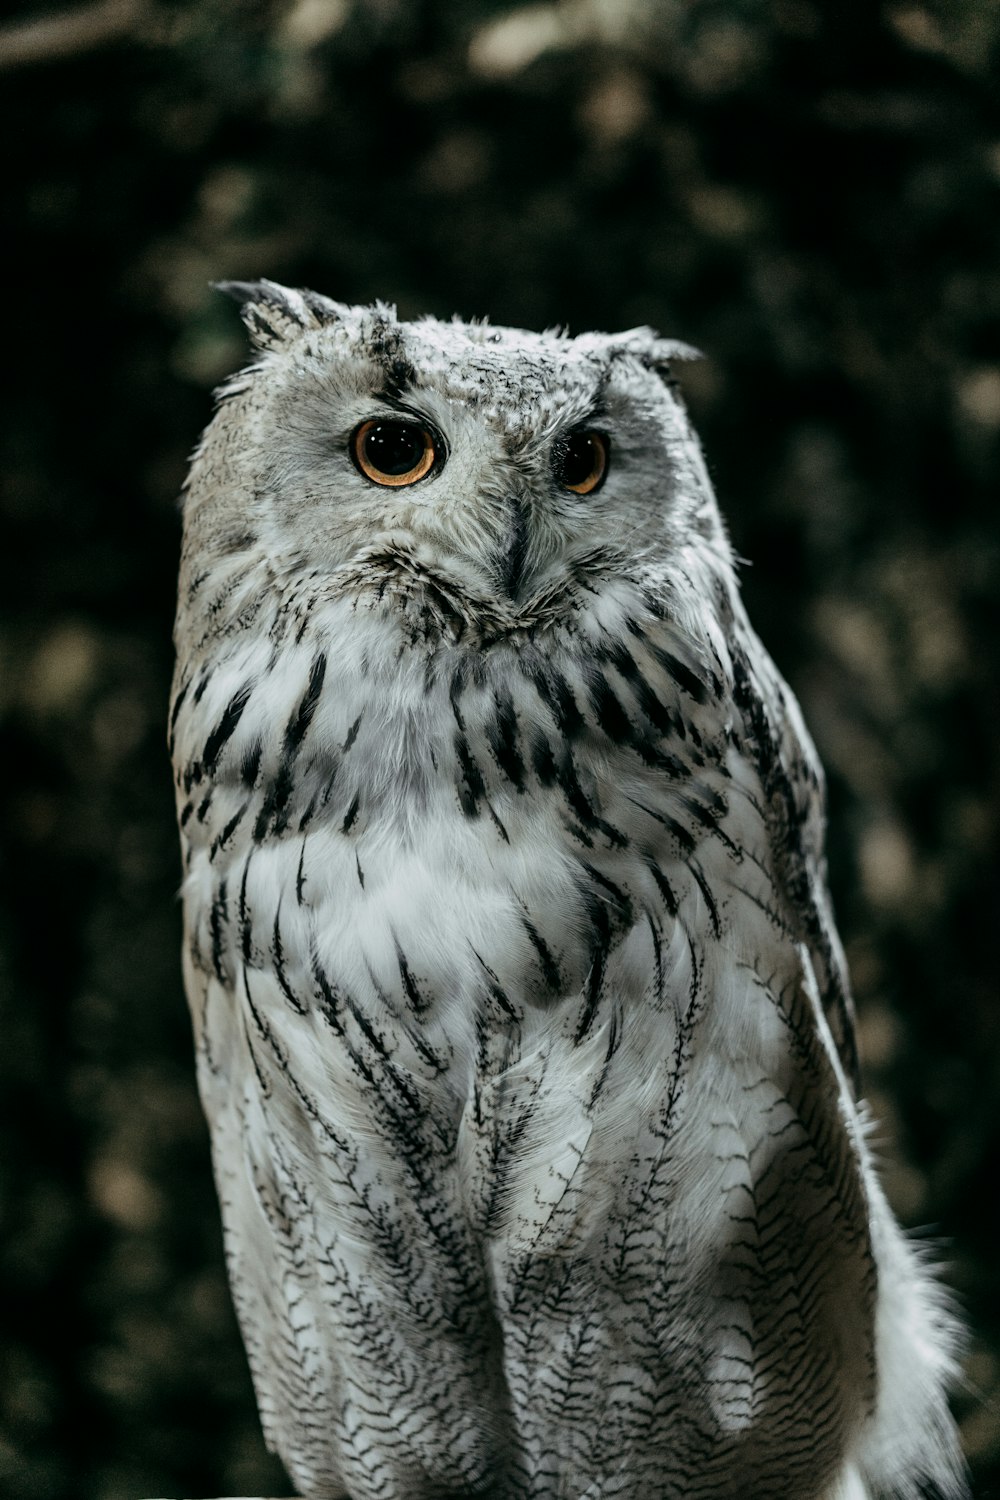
column 579, row 458
column 394, row 447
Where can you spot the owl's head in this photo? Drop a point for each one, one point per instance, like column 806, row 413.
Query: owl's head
column 505, row 470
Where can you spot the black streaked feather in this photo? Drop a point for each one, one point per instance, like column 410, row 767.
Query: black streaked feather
column 226, row 726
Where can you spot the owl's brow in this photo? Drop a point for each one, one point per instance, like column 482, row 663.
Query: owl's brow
column 596, row 414
column 391, row 397
column 598, row 411
column 385, row 346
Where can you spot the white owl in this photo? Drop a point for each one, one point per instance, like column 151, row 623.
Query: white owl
column 522, row 1024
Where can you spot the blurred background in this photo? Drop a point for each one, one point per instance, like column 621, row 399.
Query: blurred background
column 809, row 192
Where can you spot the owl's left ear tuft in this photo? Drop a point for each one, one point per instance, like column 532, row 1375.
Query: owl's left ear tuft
column 652, row 352
column 274, row 313
column 660, row 354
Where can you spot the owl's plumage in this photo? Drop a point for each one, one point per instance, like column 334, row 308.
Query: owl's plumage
column 522, row 1023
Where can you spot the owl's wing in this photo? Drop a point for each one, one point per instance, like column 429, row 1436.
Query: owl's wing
column 777, row 743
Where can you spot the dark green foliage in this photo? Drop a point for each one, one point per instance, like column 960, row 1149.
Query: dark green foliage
column 811, row 193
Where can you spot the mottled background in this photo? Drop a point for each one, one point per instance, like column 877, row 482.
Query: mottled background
column 807, row 191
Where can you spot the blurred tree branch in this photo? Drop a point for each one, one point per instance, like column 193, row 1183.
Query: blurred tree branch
column 71, row 32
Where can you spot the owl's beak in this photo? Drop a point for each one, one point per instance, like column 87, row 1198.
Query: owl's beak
column 513, row 551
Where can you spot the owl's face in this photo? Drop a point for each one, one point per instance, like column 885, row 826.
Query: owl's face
column 502, row 465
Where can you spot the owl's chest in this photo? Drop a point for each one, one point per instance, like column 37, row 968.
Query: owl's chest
column 428, row 840
column 518, row 935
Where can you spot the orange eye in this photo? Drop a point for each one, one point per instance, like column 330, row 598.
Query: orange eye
column 582, row 461
column 393, row 453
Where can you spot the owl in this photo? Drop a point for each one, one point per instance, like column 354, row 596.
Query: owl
column 522, row 1023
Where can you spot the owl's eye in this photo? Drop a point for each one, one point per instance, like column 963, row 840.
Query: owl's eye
column 393, row 453
column 582, row 461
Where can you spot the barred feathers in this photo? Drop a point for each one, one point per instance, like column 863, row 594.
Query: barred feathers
column 522, row 1024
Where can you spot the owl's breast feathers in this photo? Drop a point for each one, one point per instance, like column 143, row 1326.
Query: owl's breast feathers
column 525, row 1040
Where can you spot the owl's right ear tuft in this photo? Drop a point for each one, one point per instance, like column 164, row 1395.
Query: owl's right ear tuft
column 274, row 313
